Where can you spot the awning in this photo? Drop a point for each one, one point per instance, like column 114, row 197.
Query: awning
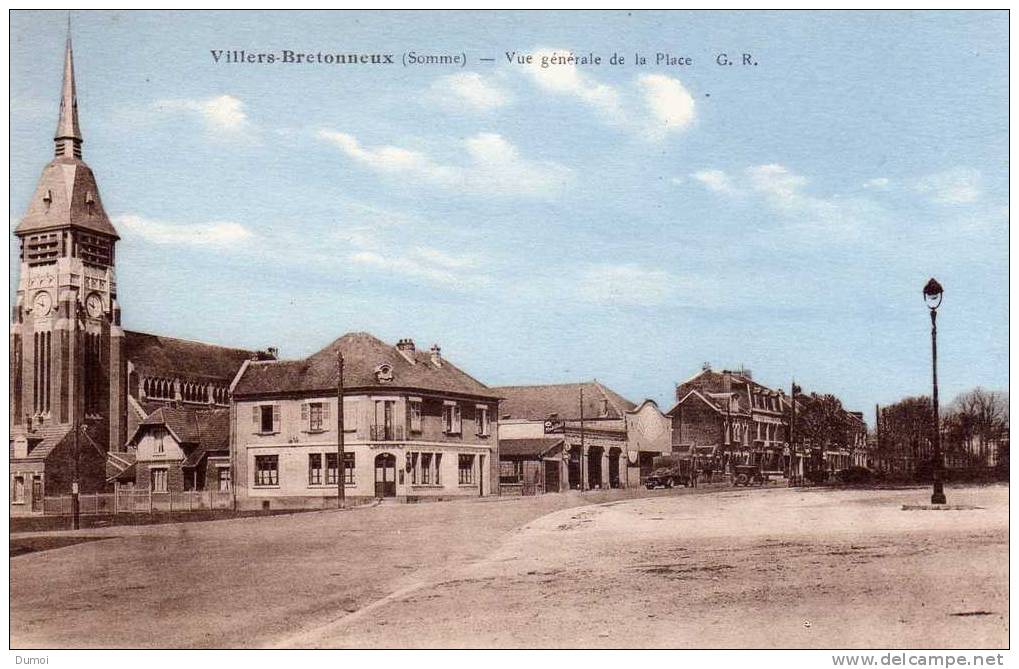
column 531, row 449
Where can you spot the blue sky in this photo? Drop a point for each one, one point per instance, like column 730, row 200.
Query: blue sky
column 554, row 224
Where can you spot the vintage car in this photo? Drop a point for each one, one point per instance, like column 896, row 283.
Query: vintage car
column 669, row 472
column 747, row 475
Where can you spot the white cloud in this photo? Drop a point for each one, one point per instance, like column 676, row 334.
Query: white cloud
column 220, row 114
column 400, row 244
column 493, row 165
column 715, row 180
column 807, row 217
column 625, row 284
column 568, row 79
column 958, row 186
column 778, row 183
column 216, row 233
column 424, row 263
column 470, row 89
column 655, row 106
column 877, row 183
column 671, row 105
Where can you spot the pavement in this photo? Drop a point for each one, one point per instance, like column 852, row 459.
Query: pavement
column 729, row 568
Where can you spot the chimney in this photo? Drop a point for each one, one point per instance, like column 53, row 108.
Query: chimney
column 405, row 345
column 436, row 355
column 273, row 352
column 727, row 381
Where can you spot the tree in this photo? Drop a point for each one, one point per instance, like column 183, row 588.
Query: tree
column 822, row 421
column 975, row 424
column 905, row 432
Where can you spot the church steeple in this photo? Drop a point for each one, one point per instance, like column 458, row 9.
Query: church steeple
column 68, row 137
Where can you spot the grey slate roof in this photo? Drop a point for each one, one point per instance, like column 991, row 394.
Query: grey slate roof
column 363, row 354
column 153, row 355
column 209, row 429
column 540, row 401
column 66, row 183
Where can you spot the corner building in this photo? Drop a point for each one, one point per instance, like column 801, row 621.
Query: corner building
column 415, row 426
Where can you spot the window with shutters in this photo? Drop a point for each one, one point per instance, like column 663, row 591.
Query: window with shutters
column 414, row 408
column 451, row 422
column 315, row 415
column 18, row 495
column 350, row 419
column 482, row 419
column 266, row 418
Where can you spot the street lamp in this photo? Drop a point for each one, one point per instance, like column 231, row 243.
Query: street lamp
column 932, row 294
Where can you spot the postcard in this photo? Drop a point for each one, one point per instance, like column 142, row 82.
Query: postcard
column 510, row 330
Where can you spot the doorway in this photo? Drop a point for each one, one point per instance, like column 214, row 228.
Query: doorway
column 594, row 471
column 385, row 475
column 551, row 476
column 614, row 455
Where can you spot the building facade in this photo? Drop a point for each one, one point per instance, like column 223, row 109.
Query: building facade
column 577, row 436
column 415, row 427
column 180, row 449
column 728, row 419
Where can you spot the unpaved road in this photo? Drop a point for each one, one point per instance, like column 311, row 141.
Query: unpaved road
column 734, row 569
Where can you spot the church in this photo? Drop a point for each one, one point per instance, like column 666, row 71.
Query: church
column 94, row 406
column 81, row 385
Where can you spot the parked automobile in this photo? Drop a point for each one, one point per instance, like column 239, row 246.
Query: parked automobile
column 670, row 471
column 747, row 475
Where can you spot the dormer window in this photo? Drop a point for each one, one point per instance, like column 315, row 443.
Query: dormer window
column 90, row 202
column 384, row 373
column 47, row 198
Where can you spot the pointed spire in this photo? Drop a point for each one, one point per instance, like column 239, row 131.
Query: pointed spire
column 68, row 137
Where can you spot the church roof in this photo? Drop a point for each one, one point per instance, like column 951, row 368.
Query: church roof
column 365, row 356
column 540, row 401
column 67, row 194
column 153, row 355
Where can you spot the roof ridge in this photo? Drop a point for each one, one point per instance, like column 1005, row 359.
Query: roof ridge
column 190, row 341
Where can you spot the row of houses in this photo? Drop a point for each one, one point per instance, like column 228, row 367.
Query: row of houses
column 95, row 407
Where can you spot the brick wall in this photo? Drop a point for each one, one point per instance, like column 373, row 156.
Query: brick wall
column 694, row 422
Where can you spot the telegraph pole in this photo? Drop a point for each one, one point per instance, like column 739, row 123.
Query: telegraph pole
column 583, row 451
column 341, row 465
column 76, row 415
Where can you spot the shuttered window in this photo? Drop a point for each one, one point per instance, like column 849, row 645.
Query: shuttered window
column 315, row 416
column 266, row 418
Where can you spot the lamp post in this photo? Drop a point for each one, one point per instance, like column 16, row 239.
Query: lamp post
column 932, row 294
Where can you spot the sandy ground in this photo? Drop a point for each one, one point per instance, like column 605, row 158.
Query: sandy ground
column 735, row 569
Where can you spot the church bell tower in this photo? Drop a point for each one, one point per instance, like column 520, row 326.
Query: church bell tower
column 67, row 347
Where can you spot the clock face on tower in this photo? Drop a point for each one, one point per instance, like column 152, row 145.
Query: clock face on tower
column 42, row 302
column 94, row 305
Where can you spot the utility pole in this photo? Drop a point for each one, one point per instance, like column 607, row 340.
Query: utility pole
column 76, row 409
column 792, row 428
column 583, row 450
column 341, row 465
